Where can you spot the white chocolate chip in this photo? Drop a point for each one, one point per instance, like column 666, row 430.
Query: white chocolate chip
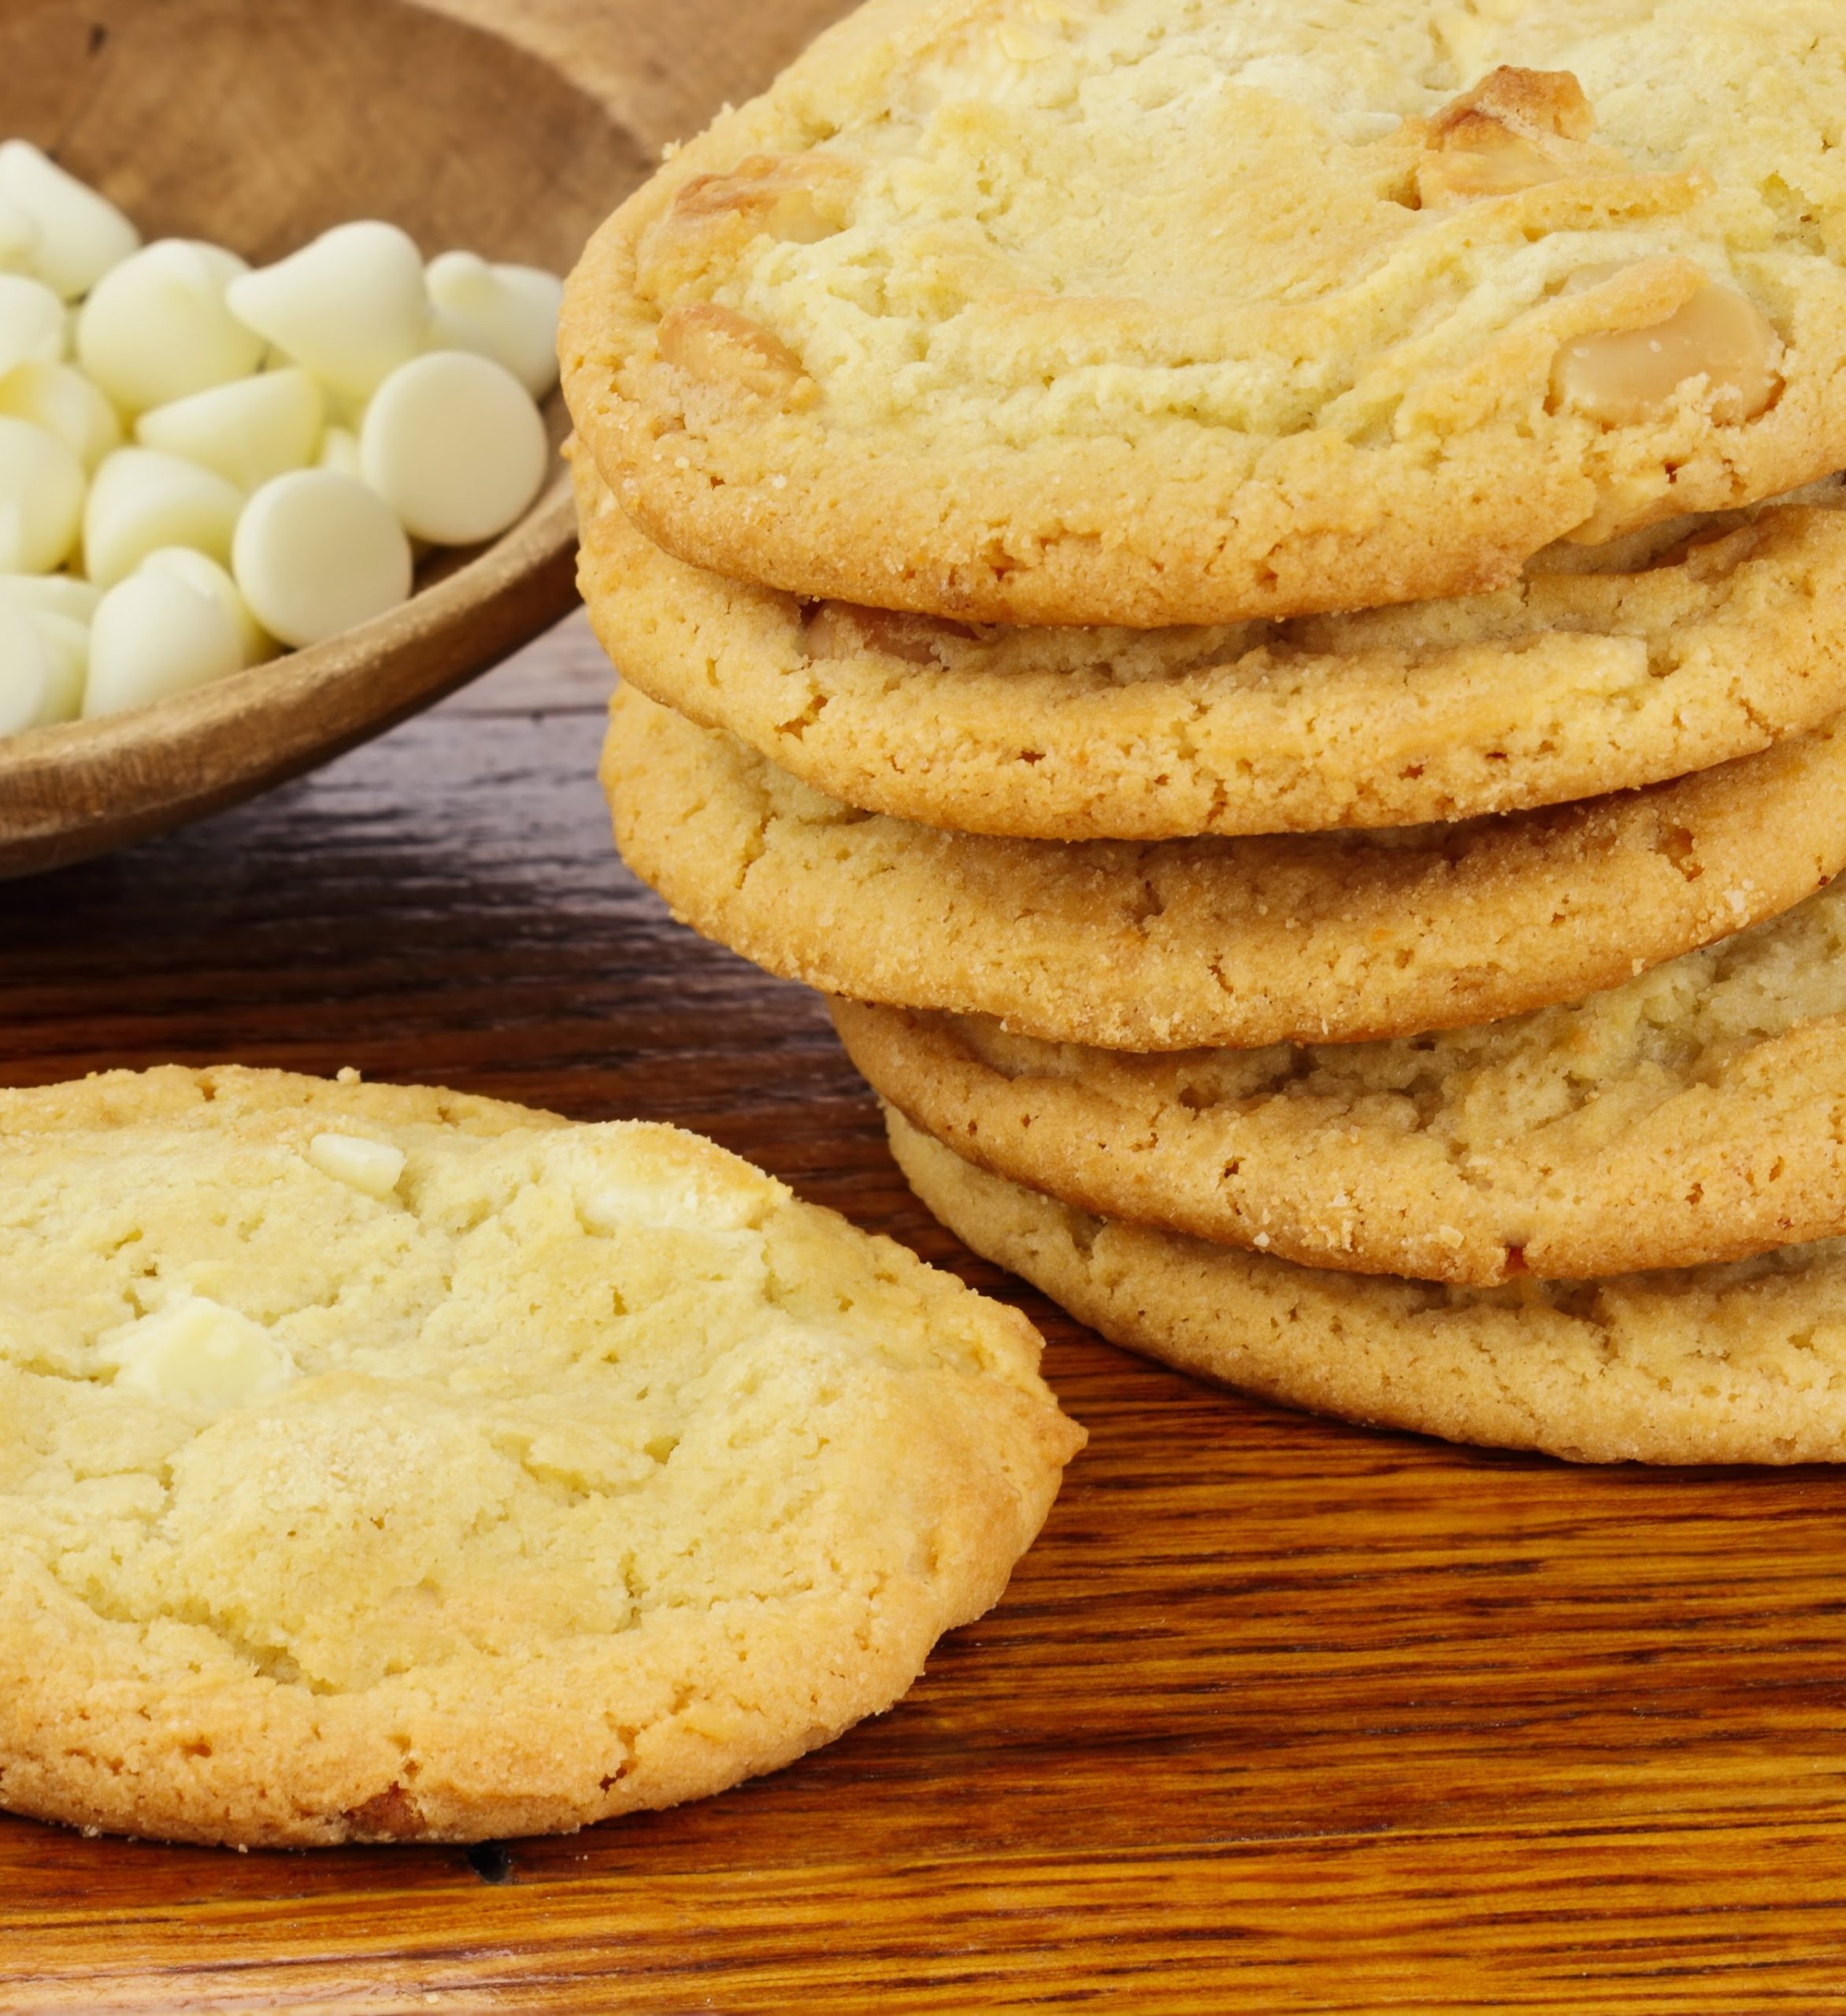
column 63, row 401
column 1628, row 376
column 506, row 313
column 1502, row 168
column 196, row 1352
column 206, row 577
column 61, row 595
column 716, row 346
column 157, row 328
column 19, row 237
column 362, row 444
column 41, row 498
column 372, row 1166
column 450, row 332
column 717, row 1721
column 155, row 636
column 25, row 671
column 454, row 443
column 340, row 452
column 317, row 553
column 68, row 642
column 81, row 235
column 142, row 500
column 351, row 307
column 248, row 431
column 607, row 1206
column 31, row 323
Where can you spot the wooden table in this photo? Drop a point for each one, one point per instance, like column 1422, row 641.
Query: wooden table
column 1279, row 1715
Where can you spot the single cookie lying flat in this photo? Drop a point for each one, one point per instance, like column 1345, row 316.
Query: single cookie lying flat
column 1561, row 687
column 1695, row 1113
column 386, row 1464
column 1166, row 945
column 1743, row 1364
column 1147, row 312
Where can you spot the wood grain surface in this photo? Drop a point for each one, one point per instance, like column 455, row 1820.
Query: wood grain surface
column 1279, row 1715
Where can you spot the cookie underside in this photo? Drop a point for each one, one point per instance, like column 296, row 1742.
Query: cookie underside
column 1172, row 944
column 1565, row 686
column 1742, row 1364
column 1695, row 1113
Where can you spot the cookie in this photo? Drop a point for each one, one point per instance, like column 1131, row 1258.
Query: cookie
column 1170, row 944
column 1695, row 1113
column 383, row 1464
column 1738, row 1364
column 1561, row 687
column 1143, row 311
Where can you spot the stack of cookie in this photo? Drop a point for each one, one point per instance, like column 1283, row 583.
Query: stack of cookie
column 978, row 437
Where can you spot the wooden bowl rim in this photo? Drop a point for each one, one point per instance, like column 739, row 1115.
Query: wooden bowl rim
column 545, row 527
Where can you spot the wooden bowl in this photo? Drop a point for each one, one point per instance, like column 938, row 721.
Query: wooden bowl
column 258, row 123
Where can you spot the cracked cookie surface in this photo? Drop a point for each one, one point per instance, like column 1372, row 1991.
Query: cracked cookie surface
column 1739, row 1364
column 1695, row 1113
column 1643, row 662
column 1193, row 311
column 1171, row 944
column 383, row 1463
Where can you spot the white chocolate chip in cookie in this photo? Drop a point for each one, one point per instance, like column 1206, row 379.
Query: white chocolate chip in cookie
column 1515, row 130
column 1494, row 162
column 1628, row 376
column 372, row 1166
column 718, row 347
column 834, row 630
column 797, row 199
column 197, row 1352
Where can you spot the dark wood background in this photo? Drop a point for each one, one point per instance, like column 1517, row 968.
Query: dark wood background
column 1279, row 1715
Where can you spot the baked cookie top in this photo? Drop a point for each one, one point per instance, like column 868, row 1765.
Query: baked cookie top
column 1638, row 663
column 1150, row 312
column 382, row 1463
column 1695, row 1113
column 1738, row 1364
column 1169, row 944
